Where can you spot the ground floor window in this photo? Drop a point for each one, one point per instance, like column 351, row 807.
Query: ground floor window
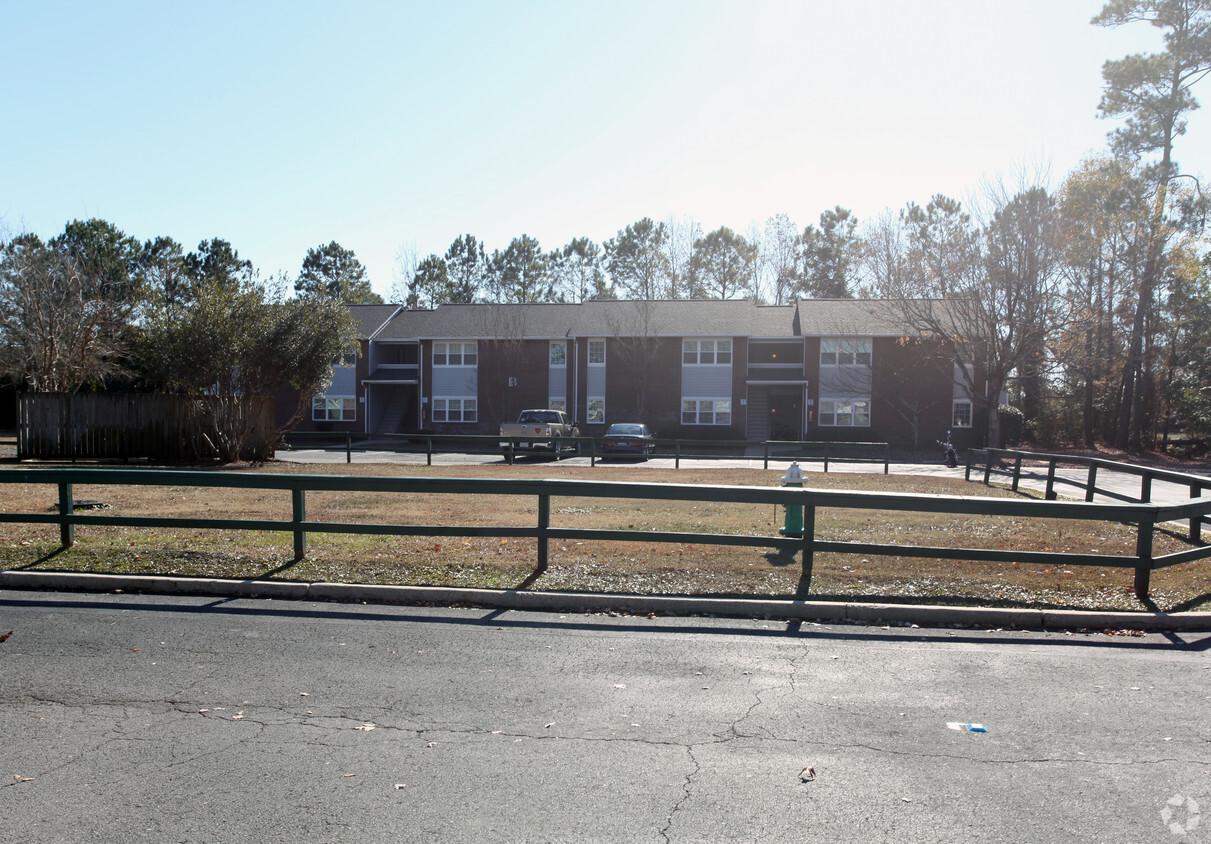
column 596, row 412
column 558, row 404
column 334, row 408
column 961, row 417
column 845, row 413
column 454, row 410
column 706, row 411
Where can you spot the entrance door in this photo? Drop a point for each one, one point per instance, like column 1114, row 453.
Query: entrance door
column 786, row 414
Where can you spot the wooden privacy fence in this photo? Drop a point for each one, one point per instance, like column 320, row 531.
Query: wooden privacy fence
column 1144, row 516
column 71, row 426
column 675, row 449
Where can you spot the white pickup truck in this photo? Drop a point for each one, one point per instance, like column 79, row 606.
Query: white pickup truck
column 535, row 430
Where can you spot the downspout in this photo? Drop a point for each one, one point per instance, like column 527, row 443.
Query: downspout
column 575, row 380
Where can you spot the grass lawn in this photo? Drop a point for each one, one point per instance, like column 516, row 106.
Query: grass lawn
column 633, row 567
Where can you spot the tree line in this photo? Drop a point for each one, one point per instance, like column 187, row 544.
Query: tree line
column 93, row 307
column 1089, row 303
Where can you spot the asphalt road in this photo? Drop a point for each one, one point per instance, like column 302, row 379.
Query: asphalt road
column 134, row 718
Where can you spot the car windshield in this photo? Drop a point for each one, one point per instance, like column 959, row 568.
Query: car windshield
column 620, row 430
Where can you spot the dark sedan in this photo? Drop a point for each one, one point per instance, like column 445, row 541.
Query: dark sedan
column 628, row 438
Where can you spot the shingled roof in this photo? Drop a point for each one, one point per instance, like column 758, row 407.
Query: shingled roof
column 663, row 318
column 850, row 317
column 370, row 318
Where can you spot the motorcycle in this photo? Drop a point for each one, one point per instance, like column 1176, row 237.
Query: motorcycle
column 950, row 457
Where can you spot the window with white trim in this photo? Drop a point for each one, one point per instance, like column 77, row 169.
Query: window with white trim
column 559, row 354
column 455, row 354
column 845, row 413
column 960, row 417
column 597, row 353
column 595, row 411
column 558, row 404
column 334, row 408
column 700, row 411
column 702, row 352
column 845, row 351
column 454, row 410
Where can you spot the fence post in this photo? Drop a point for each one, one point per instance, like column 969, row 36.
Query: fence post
column 67, row 530
column 967, row 471
column 1091, row 484
column 1017, row 472
column 1196, row 521
column 429, row 450
column 1143, row 553
column 826, row 458
column 765, row 449
column 592, row 451
column 1146, row 488
column 886, row 458
column 809, row 536
column 1050, row 494
column 677, row 454
column 348, row 447
column 544, row 525
column 987, row 466
column 298, row 501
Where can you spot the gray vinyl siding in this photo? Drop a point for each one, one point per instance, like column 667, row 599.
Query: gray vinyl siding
column 711, row 381
column 455, row 381
column 845, row 381
column 557, row 382
column 595, row 382
column 344, row 381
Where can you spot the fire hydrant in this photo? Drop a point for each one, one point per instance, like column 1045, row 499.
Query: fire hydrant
column 794, row 512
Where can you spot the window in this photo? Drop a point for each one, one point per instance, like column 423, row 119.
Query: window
column 334, row 408
column 454, row 410
column 349, row 359
column 559, row 354
column 558, row 404
column 596, row 411
column 706, row 411
column 844, row 352
column 961, row 415
column 455, row 354
column 597, row 353
column 706, row 352
column 845, row 413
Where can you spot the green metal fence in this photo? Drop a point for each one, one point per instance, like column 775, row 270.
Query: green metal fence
column 1144, row 516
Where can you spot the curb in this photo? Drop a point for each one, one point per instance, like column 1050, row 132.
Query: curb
column 824, row 611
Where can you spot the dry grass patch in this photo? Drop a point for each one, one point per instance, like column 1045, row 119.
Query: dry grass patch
column 638, row 567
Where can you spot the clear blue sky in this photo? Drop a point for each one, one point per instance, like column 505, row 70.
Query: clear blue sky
column 280, row 126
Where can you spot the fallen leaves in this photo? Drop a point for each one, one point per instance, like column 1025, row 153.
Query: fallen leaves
column 4, row 638
column 807, row 774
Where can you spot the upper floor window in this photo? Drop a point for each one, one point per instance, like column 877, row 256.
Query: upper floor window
column 699, row 352
column 597, row 352
column 559, row 354
column 844, row 351
column 455, row 354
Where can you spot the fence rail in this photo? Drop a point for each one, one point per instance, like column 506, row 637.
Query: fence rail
column 996, row 460
column 674, row 449
column 1144, row 516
